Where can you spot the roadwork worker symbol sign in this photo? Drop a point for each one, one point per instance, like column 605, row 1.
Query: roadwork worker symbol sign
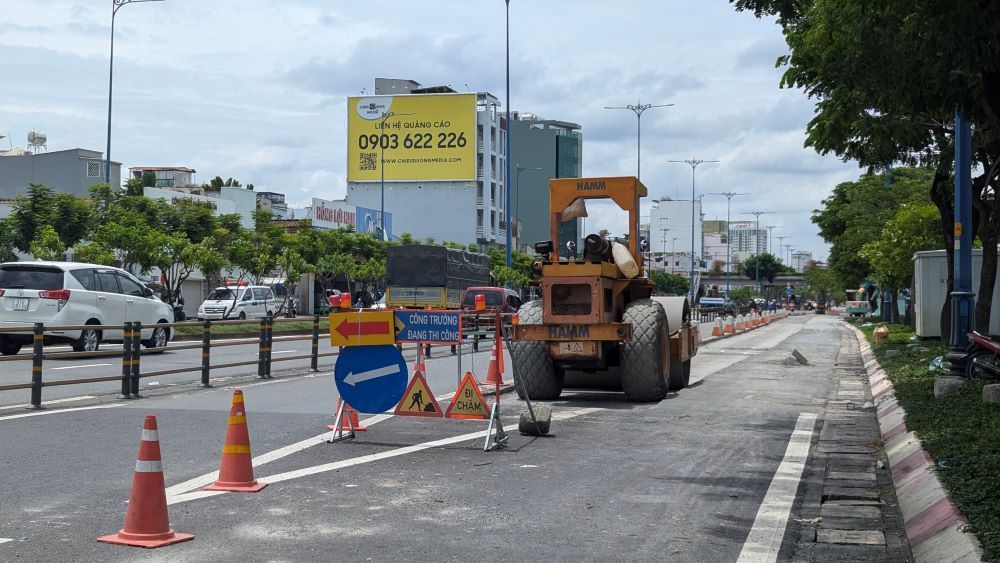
column 468, row 401
column 418, row 399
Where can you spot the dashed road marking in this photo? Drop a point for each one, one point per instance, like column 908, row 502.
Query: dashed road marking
column 5, row 540
column 561, row 414
column 78, row 367
column 53, row 401
column 77, row 409
column 764, row 541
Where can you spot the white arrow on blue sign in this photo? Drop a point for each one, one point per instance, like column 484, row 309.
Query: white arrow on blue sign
column 372, row 379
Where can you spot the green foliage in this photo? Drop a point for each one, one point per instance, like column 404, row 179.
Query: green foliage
column 767, row 264
column 134, row 187
column 857, row 211
column 891, row 255
column 509, row 277
column 824, row 281
column 149, row 179
column 48, row 246
column 94, row 253
column 407, row 238
column 7, row 253
column 70, row 216
column 520, row 264
column 669, row 284
column 741, row 294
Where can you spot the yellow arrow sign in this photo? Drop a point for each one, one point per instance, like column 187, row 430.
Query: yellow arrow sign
column 362, row 328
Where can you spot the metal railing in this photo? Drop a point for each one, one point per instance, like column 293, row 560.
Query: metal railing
column 477, row 328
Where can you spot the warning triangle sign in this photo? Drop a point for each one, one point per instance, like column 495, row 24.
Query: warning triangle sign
column 418, row 399
column 468, row 401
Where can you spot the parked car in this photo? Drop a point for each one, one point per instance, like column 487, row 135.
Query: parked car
column 238, row 302
column 77, row 294
column 508, row 300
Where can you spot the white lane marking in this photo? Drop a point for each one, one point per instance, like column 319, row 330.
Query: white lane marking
column 42, row 413
column 5, row 540
column 307, row 471
column 764, row 540
column 53, row 401
column 78, row 367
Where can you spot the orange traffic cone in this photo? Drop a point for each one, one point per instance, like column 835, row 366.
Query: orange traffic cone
column 236, row 470
column 418, row 362
column 349, row 414
column 493, row 376
column 717, row 329
column 146, row 521
column 729, row 327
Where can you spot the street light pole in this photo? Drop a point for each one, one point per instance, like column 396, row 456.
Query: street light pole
column 729, row 233
column 663, row 233
column 693, row 163
column 111, row 80
column 639, row 108
column 781, row 243
column 770, row 231
column 383, row 140
column 756, row 241
column 673, row 244
column 506, row 180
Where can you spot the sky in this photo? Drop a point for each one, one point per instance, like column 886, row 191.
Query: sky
column 256, row 89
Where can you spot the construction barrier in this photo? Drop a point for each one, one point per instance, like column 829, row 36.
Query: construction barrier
column 717, row 329
column 730, row 326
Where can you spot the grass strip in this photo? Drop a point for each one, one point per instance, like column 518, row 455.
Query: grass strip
column 961, row 434
column 254, row 326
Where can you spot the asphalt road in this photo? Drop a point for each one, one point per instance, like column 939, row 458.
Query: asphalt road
column 681, row 479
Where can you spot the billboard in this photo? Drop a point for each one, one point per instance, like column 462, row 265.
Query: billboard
column 418, row 136
column 333, row 214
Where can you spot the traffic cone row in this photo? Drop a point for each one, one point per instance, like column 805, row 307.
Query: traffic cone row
column 717, row 329
column 730, row 326
column 147, row 523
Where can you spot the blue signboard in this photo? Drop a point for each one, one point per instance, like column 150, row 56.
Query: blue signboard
column 368, row 222
column 431, row 327
column 371, row 379
column 788, row 290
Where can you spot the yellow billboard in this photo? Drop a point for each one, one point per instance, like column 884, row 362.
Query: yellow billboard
column 417, row 136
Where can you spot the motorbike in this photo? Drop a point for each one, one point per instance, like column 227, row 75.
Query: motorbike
column 982, row 357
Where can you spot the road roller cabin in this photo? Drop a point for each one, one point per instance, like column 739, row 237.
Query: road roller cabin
column 597, row 312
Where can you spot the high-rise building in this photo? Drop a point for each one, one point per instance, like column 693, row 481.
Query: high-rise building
column 440, row 156
column 748, row 238
column 542, row 149
column 670, row 230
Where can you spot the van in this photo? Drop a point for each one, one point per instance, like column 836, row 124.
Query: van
column 77, row 294
column 238, row 302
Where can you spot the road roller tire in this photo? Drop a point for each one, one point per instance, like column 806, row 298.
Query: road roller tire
column 536, row 377
column 645, row 358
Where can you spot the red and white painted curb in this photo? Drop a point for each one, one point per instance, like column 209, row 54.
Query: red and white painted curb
column 933, row 524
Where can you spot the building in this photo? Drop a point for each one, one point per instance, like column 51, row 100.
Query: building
column 801, row 260
column 670, row 232
column 70, row 171
column 748, row 239
column 437, row 156
column 715, row 250
column 542, row 149
column 169, row 177
column 273, row 202
column 338, row 214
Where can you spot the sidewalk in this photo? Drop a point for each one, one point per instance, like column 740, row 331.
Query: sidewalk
column 850, row 511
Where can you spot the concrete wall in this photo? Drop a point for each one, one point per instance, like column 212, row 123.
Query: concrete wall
column 63, row 171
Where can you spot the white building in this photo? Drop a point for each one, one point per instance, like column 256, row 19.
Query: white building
column 801, row 259
column 670, row 231
column 466, row 207
column 747, row 239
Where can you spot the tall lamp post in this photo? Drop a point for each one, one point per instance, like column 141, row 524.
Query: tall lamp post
column 693, row 163
column 383, row 140
column 770, row 231
column 729, row 233
column 111, row 80
column 639, row 108
column 663, row 233
column 756, row 241
column 506, row 179
column 781, row 243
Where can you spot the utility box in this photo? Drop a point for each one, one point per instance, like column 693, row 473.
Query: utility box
column 930, row 290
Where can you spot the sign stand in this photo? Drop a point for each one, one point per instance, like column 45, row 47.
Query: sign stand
column 527, row 400
column 338, row 433
column 499, row 439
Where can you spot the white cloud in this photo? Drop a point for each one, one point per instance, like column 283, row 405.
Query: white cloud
column 254, row 89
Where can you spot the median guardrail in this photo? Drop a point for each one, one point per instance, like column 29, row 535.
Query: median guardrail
column 477, row 329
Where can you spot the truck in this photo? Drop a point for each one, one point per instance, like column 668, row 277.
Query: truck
column 856, row 305
column 597, row 314
column 420, row 276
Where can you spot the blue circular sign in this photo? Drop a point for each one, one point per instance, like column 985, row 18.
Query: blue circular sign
column 372, row 379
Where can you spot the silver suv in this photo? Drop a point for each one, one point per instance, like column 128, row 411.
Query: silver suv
column 75, row 294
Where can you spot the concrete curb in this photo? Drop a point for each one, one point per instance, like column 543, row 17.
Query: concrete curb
column 933, row 524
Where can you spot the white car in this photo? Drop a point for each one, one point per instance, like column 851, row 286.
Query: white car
column 76, row 294
column 238, row 302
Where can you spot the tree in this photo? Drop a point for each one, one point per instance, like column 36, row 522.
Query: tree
column 891, row 255
column 134, row 187
column 717, row 268
column 824, row 283
column 68, row 215
column 48, row 246
column 7, row 253
column 887, row 77
column 856, row 212
column 509, row 277
column 149, row 179
column 768, row 265
column 668, row 284
column 176, row 260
